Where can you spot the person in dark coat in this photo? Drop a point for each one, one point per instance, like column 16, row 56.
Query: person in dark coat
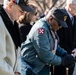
column 68, row 35
column 26, row 21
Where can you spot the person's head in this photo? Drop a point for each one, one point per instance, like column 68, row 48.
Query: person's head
column 71, row 6
column 15, row 8
column 57, row 18
column 26, row 18
column 29, row 16
column 34, row 13
column 23, row 19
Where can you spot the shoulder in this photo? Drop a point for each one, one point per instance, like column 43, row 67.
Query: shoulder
column 40, row 24
column 2, row 26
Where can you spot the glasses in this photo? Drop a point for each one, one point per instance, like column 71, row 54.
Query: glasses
column 57, row 21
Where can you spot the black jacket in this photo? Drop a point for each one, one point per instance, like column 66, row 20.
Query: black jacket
column 25, row 28
column 68, row 35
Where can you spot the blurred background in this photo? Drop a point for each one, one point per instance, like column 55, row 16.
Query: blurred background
column 43, row 5
column 47, row 4
column 1, row 1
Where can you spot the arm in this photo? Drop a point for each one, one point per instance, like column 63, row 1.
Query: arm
column 61, row 52
column 42, row 46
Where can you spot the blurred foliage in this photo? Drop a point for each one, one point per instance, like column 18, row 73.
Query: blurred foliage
column 43, row 5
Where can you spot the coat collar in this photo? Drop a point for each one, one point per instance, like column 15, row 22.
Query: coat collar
column 13, row 29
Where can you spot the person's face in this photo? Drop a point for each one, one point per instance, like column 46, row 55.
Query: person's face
column 16, row 12
column 55, row 24
column 72, row 9
column 34, row 17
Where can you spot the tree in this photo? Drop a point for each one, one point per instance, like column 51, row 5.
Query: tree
column 47, row 4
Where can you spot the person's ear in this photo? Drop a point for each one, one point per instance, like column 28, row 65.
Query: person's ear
column 50, row 18
column 70, row 6
column 10, row 5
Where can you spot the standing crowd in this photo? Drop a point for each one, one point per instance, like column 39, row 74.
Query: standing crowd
column 30, row 45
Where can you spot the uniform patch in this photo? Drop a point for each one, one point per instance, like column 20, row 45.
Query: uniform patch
column 40, row 30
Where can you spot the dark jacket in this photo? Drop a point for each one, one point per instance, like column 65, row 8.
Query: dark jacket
column 25, row 28
column 68, row 35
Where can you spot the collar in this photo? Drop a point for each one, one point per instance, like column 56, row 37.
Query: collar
column 47, row 23
column 8, row 15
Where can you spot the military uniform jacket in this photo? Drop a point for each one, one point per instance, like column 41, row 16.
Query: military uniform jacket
column 37, row 49
column 9, row 50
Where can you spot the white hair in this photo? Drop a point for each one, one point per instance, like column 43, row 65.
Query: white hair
column 6, row 3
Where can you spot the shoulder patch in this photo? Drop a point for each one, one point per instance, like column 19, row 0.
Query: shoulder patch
column 41, row 30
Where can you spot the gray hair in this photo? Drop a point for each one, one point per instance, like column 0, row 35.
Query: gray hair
column 5, row 3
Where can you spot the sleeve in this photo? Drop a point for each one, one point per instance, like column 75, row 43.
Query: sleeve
column 5, row 68
column 61, row 52
column 42, row 46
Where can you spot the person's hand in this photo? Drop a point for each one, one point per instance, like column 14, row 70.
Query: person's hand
column 68, row 60
column 74, row 52
column 17, row 73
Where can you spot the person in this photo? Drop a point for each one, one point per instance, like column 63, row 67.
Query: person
column 67, row 35
column 26, row 21
column 10, row 40
column 41, row 48
column 36, row 13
